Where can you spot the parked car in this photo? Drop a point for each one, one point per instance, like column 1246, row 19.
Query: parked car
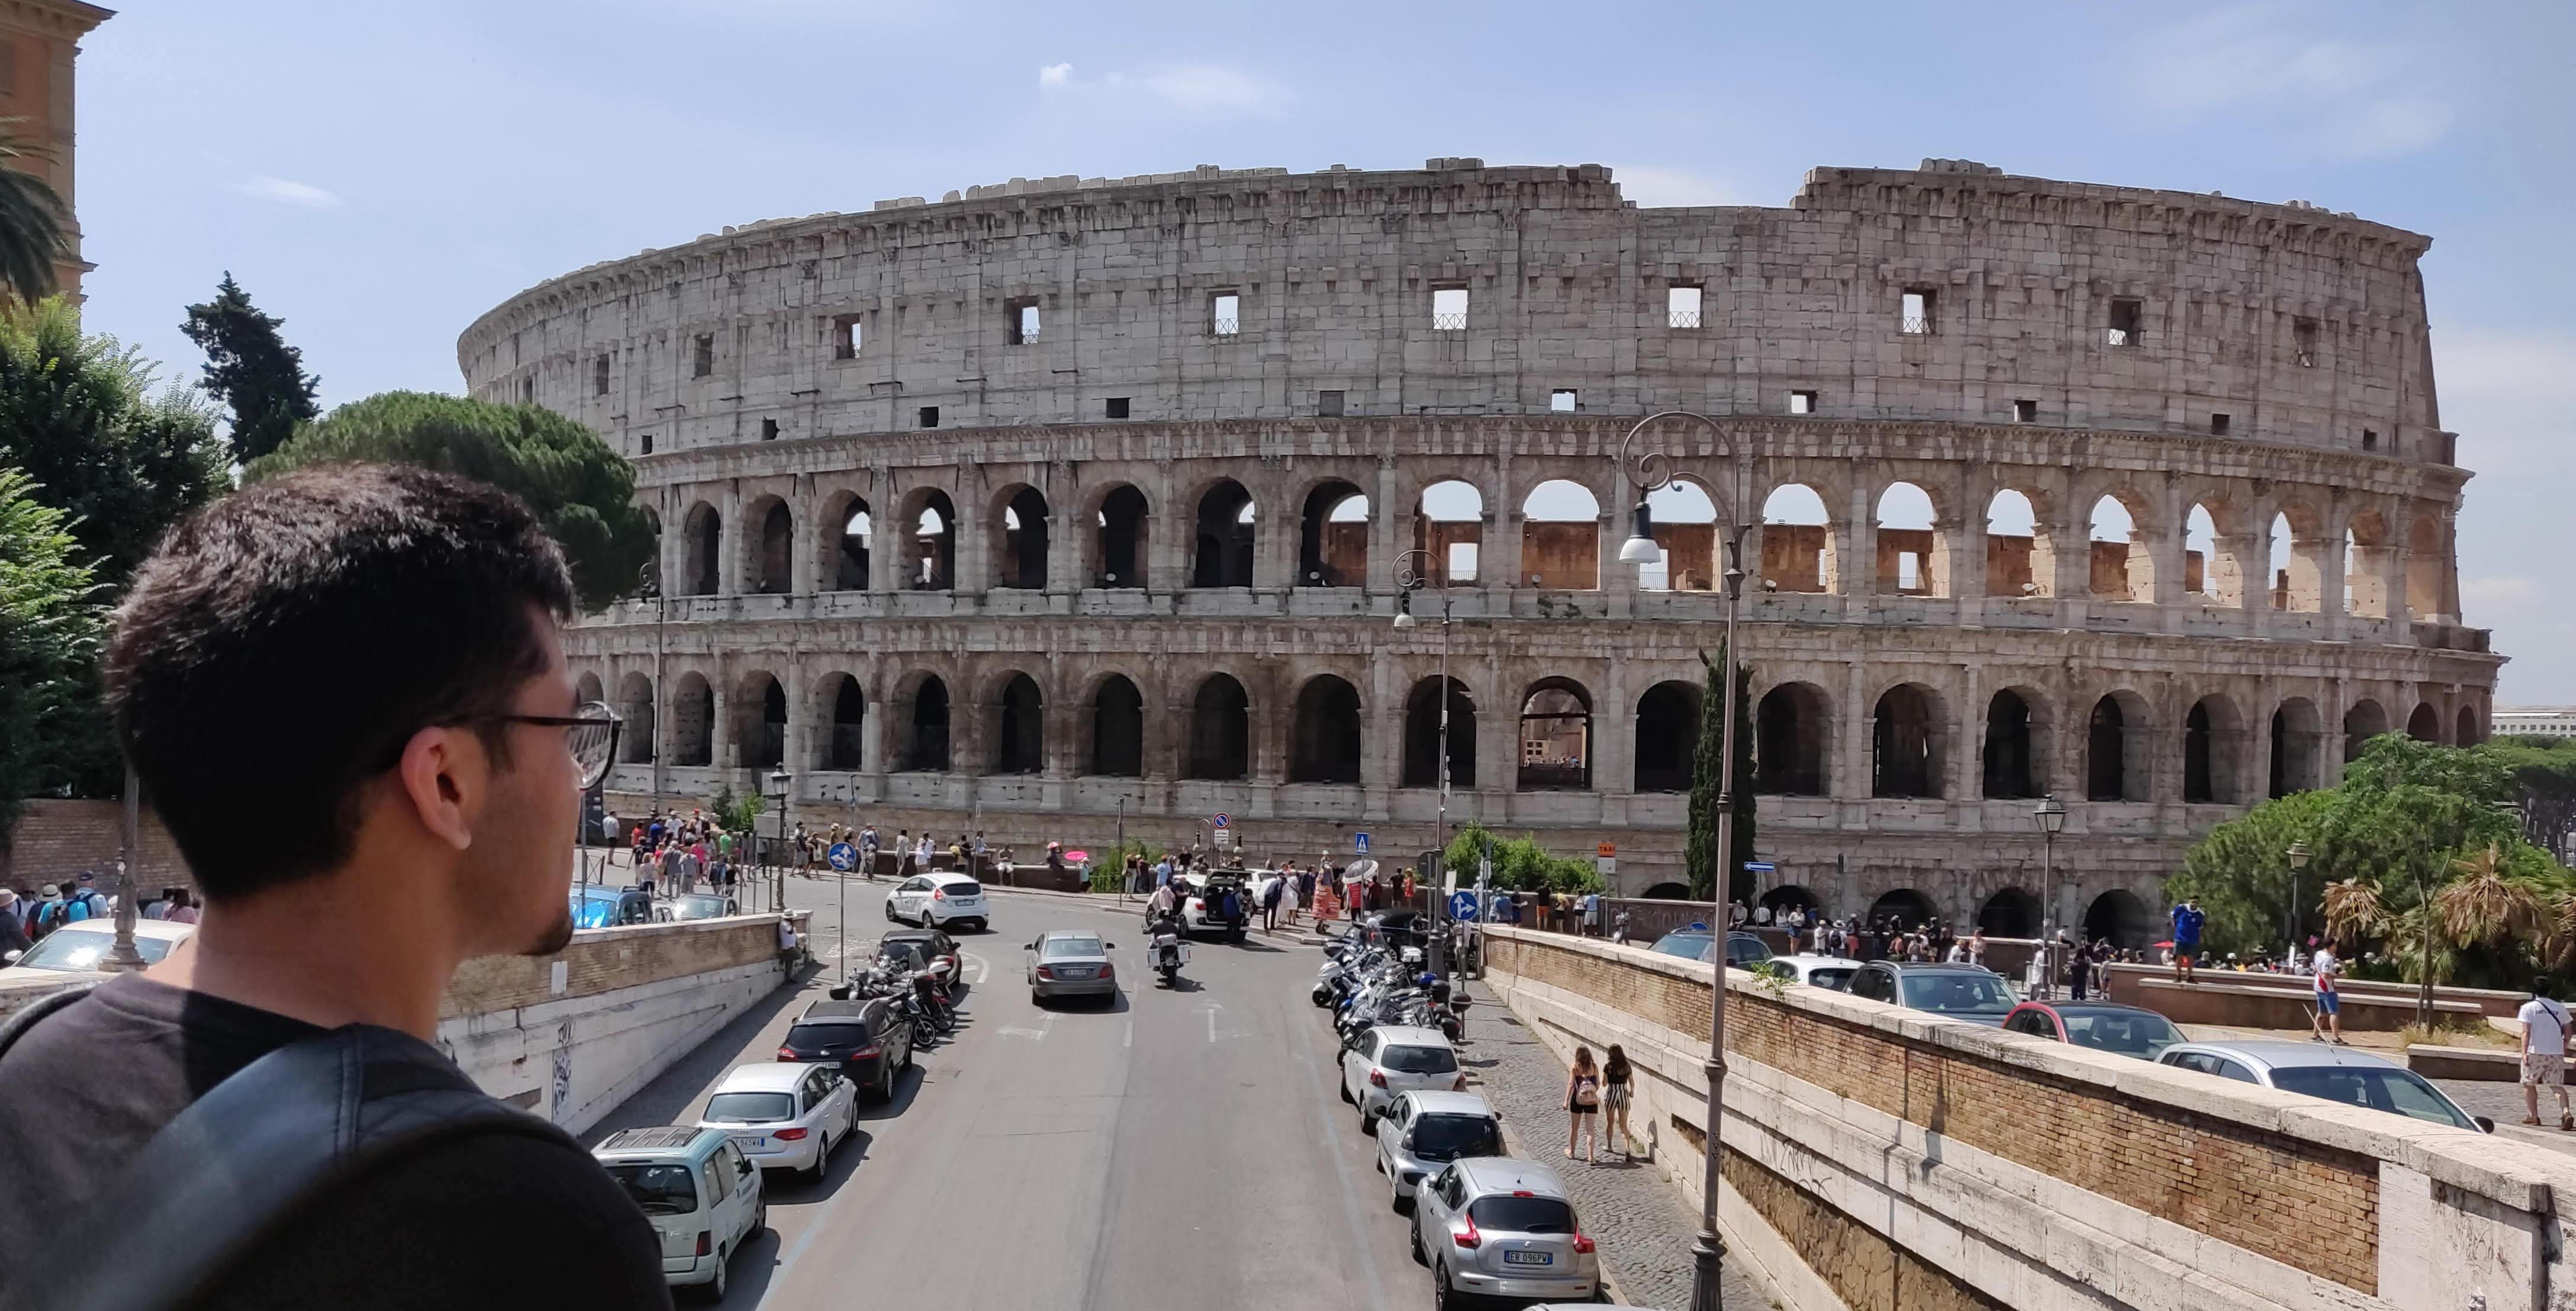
column 2103, row 1026
column 869, row 1039
column 1422, row 1131
column 1491, row 1226
column 82, row 944
column 702, row 1194
column 935, row 901
column 1742, row 949
column 935, row 945
column 1959, row 992
column 784, row 1117
column 1833, row 972
column 597, row 906
column 1070, row 963
column 694, row 906
column 1203, row 899
column 1385, row 1060
column 2337, row 1074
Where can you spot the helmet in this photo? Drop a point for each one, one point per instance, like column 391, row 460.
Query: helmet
column 1428, row 978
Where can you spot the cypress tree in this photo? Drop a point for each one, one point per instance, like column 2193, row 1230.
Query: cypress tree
column 252, row 371
column 1699, row 850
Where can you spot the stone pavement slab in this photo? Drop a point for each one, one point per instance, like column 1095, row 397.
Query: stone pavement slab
column 1645, row 1229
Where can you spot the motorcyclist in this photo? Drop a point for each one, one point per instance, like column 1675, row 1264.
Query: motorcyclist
column 1162, row 905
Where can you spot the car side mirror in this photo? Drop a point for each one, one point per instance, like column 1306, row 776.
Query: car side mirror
column 11, row 958
column 1109, row 946
column 1031, row 947
column 2484, row 1124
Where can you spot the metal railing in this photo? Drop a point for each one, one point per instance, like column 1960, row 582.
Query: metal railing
column 1448, row 323
column 1025, row 337
column 1918, row 326
column 2122, row 337
column 1226, row 327
column 1681, row 319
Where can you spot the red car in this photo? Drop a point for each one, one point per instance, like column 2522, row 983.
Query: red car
column 2101, row 1025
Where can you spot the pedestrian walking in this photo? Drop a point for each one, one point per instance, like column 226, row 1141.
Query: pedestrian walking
column 1582, row 1105
column 1615, row 1080
column 1270, row 904
column 2544, row 1053
column 2329, row 998
column 868, row 844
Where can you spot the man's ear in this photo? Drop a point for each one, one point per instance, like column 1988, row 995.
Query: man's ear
column 442, row 777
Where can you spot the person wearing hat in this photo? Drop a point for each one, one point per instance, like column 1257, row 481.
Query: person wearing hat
column 13, row 928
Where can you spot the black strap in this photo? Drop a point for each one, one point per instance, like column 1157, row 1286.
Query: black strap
column 16, row 1026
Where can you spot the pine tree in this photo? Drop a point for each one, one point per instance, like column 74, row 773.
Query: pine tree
column 1699, row 850
column 252, row 370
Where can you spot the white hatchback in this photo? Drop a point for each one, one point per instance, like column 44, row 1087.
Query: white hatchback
column 784, row 1116
column 1391, row 1059
column 82, row 944
column 937, row 901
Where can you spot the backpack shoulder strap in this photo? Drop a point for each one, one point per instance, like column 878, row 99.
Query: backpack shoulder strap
column 16, row 1026
column 239, row 1164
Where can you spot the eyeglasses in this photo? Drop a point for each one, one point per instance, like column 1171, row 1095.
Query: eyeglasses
column 592, row 739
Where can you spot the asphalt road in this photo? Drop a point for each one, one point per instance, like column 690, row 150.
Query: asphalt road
column 1173, row 1149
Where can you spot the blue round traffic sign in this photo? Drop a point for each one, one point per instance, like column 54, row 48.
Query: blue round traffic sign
column 843, row 857
column 1462, row 905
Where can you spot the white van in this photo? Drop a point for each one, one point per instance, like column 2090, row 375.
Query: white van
column 702, row 1194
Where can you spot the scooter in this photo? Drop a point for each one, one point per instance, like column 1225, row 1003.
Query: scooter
column 1170, row 953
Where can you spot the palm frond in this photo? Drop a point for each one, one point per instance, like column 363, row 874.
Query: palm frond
column 2354, row 911
column 2481, row 906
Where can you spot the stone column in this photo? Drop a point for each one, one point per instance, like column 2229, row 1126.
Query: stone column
column 1614, row 734
column 1275, row 527
column 801, row 755
column 1068, row 529
column 724, row 751
column 888, row 537
column 1061, row 720
column 978, row 524
column 1851, row 781
column 1386, row 540
column 729, row 544
column 1499, row 562
column 1171, row 533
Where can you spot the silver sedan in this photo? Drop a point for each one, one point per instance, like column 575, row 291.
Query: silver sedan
column 1069, row 963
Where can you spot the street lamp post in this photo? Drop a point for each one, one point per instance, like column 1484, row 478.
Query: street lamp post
column 2298, row 856
column 2050, row 816
column 1650, row 471
column 1410, row 577
column 778, row 787
column 123, row 955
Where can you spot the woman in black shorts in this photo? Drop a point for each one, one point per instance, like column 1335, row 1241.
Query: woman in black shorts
column 1583, row 1104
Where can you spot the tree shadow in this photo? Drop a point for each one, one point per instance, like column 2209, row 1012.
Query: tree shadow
column 670, row 1096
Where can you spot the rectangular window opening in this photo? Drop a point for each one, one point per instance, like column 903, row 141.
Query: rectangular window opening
column 2303, row 332
column 2128, row 320
column 1682, row 307
column 1561, row 400
column 1115, row 407
column 1022, row 311
column 1802, row 402
column 2218, row 424
column 845, row 337
column 2369, row 440
column 599, row 376
column 1449, row 309
column 1909, row 571
column 1225, row 313
column 644, row 443
column 769, row 430
column 2025, row 411
column 1462, row 562
column 705, row 359
column 930, row 416
column 1328, row 404
column 1916, row 315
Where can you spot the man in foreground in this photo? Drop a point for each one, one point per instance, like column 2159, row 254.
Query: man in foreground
column 369, row 659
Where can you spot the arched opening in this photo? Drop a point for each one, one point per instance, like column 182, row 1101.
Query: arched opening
column 1019, row 728
column 703, row 575
column 1912, row 559
column 777, row 551
column 635, row 702
column 1449, row 527
column 2369, row 553
column 1906, row 741
column 1790, row 730
column 1122, row 549
column 2362, row 720
column 2119, row 918
column 2425, row 723
column 2208, row 576
column 2009, row 913
column 1686, row 529
column 1022, row 561
column 2468, row 735
column 1332, row 537
column 2117, row 763
column 933, row 562
column 1118, row 729
column 1797, row 541
column 1220, row 730
column 1786, row 898
column 2123, row 567
column 2014, row 748
column 693, row 717
column 2020, row 559
column 1225, row 536
column 1324, row 739
column 2294, row 747
column 1556, row 736
column 2213, row 737
column 928, row 749
column 586, row 689
column 1905, row 908
column 763, row 739
column 2425, row 567
column 858, row 530
column 1561, row 537
column 1667, row 736
column 1422, row 736
column 2298, row 575
column 1667, row 892
column 847, row 748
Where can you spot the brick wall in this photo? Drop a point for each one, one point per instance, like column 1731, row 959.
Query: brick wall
column 57, row 839
column 1857, row 1262
column 604, row 960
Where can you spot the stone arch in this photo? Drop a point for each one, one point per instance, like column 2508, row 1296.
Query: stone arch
column 924, row 711
column 693, row 720
column 1913, row 552
column 2295, row 757
column 1908, row 743
column 1449, row 527
column 2121, row 919
column 2369, row 548
column 1667, row 736
column 2021, row 557
column 2468, row 734
column 2121, row 552
column 2213, row 744
column 930, row 556
column 1227, row 533
column 1122, row 538
column 847, row 534
column 636, row 746
column 1555, row 736
column 588, row 689
column 702, row 571
column 2009, row 913
column 1685, row 517
column 1220, row 744
column 1798, row 552
column 1907, row 907
column 1324, row 736
column 1561, row 537
column 2362, row 720
column 1792, row 736
column 2297, row 556
column 1422, row 736
column 2424, row 723
column 760, row 710
column 1788, row 897
column 2427, row 564
column 1667, row 892
column 1117, row 729
column 771, row 565
column 2018, row 745
column 2119, row 754
column 1021, row 532
column 2211, row 572
column 844, row 739
column 1333, row 536
column 1019, row 726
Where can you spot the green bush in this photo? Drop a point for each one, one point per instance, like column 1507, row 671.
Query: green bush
column 1520, row 864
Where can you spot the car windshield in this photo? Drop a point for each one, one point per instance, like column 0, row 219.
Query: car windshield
column 2128, row 1033
column 2379, row 1088
column 1838, row 980
column 659, row 1189
column 697, row 908
column 1688, row 946
column 814, row 1035
column 751, row 1107
column 1419, row 1060
column 1522, row 1215
column 1745, row 949
column 1448, row 1137
column 909, row 953
column 79, row 949
column 963, row 889
column 1057, row 948
column 1958, row 993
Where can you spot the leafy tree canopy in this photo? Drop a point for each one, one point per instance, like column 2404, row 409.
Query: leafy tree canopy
column 251, row 370
column 2544, row 769
column 33, row 231
column 50, row 629
column 582, row 490
column 1520, row 864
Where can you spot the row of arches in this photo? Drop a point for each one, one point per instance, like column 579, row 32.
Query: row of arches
column 2118, row 916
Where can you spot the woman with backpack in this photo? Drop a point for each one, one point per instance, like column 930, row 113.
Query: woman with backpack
column 1583, row 1104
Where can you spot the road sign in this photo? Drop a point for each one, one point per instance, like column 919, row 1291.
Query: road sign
column 1605, row 866
column 1606, row 850
column 1220, row 820
column 1361, row 839
column 1224, row 839
column 1462, row 905
column 1759, row 867
column 843, row 857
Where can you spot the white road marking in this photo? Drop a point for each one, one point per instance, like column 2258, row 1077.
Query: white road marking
column 1021, row 1031
column 1129, row 1038
column 977, row 968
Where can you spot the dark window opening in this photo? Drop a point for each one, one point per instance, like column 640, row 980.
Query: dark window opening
column 857, row 533
column 1905, row 744
column 2369, row 440
column 2105, row 753
column 1118, row 729
column 2218, row 424
column 849, row 722
column 1022, row 312
column 1422, row 736
column 1556, row 737
column 1332, row 538
column 2025, row 411
column 1667, row 737
column 599, row 376
column 2128, row 321
column 1122, row 539
column 644, row 443
column 705, row 360
column 2303, row 334
column 1019, row 738
column 846, row 335
column 2009, row 757
column 765, row 747
column 777, row 552
column 1223, row 557
column 1789, row 742
column 929, row 727
column 1220, row 730
column 1115, row 407
column 1328, row 404
column 769, row 430
column 930, row 416
column 1023, row 562
column 1324, row 738
column 934, row 550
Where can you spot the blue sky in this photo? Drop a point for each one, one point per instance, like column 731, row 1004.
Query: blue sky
column 381, row 173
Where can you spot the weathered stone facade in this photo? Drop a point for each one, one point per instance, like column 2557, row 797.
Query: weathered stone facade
column 1138, row 435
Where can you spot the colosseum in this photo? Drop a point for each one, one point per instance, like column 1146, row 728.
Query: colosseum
column 2136, row 498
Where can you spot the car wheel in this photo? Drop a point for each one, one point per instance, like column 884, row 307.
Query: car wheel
column 1442, row 1298
column 1417, row 1240
column 1346, row 1090
column 822, row 1161
column 716, row 1287
column 759, row 1222
column 889, row 912
column 1368, row 1122
column 1398, row 1202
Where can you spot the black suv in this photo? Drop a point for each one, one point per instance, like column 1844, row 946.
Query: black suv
column 870, row 1038
column 1959, row 992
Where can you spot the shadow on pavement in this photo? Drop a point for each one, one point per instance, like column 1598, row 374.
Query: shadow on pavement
column 671, row 1095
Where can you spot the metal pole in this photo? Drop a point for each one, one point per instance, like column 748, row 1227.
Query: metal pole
column 2048, row 922
column 1708, row 1256
column 1122, row 849
column 124, row 955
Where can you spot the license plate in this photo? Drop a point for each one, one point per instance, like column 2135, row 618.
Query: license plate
column 751, row 1142
column 1073, row 972
column 1529, row 1258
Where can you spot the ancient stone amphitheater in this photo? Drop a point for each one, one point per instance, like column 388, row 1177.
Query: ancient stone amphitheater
column 1072, row 503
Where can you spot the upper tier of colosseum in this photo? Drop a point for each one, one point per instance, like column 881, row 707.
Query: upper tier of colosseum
column 1953, row 292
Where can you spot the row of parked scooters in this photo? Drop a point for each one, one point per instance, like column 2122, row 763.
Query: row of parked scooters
column 1371, row 977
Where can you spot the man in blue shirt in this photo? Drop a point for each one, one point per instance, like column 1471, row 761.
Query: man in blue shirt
column 2187, row 919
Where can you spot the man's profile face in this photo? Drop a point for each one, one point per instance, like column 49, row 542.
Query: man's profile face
column 519, row 869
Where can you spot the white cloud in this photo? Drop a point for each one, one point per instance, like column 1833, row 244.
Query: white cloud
column 2349, row 98
column 1054, row 77
column 1661, row 188
column 302, row 195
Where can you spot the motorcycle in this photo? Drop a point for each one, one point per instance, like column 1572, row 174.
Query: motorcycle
column 1169, row 952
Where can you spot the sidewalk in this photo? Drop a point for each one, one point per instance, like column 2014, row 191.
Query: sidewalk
column 1645, row 1230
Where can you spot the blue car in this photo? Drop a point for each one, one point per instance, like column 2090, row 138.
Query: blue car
column 596, row 907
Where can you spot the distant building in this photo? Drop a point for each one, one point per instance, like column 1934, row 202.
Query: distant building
column 2535, row 721
column 39, row 42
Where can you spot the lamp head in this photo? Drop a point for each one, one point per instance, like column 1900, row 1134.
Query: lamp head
column 1404, row 617
column 2299, row 855
column 1640, row 547
column 2051, row 815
